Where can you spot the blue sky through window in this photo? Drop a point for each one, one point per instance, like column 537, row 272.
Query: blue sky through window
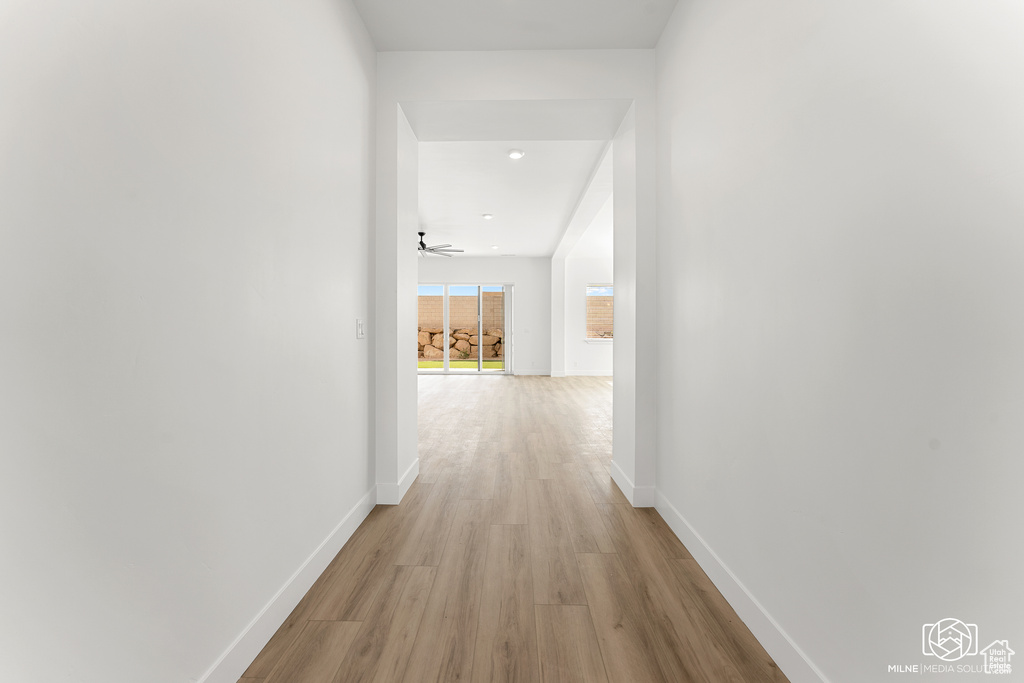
column 455, row 290
column 600, row 291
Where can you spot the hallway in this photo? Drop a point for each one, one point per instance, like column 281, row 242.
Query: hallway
column 513, row 558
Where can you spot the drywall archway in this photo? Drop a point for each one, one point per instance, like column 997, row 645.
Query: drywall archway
column 409, row 84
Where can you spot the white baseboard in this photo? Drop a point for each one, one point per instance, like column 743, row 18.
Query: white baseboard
column 392, row 494
column 638, row 496
column 531, row 372
column 558, row 373
column 408, row 478
column 644, row 496
column 787, row 655
column 621, row 480
column 230, row 666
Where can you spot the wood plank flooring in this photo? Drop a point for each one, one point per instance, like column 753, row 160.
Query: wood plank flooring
column 513, row 558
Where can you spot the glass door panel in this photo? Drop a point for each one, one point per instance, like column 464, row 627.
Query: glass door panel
column 430, row 326
column 492, row 332
column 464, row 324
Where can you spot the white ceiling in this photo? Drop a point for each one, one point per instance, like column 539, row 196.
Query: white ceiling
column 400, row 25
column 516, row 119
column 541, row 202
column 464, row 166
column 532, row 199
column 598, row 240
column 591, row 211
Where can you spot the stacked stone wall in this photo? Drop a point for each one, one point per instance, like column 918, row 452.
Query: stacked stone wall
column 461, row 343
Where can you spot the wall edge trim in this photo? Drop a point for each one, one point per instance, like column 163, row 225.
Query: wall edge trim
column 638, row 496
column 233, row 662
column 407, row 479
column 392, row 494
column 624, row 483
column 797, row 666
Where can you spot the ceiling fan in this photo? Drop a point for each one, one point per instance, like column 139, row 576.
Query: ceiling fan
column 439, row 249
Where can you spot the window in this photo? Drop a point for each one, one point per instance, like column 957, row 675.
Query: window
column 599, row 311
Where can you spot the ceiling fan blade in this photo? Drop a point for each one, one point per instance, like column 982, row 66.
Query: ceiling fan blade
column 437, row 249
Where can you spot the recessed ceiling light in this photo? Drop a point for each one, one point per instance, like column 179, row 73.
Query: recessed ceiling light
column 494, row 246
column 516, row 154
column 488, row 216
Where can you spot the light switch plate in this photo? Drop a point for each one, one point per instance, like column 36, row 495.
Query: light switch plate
column 360, row 328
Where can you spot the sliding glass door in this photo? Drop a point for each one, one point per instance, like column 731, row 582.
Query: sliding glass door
column 464, row 328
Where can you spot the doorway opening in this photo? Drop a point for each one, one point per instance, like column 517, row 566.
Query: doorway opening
column 411, row 122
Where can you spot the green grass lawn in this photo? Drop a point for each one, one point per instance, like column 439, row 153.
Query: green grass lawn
column 462, row 364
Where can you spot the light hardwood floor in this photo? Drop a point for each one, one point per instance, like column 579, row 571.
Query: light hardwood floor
column 514, row 557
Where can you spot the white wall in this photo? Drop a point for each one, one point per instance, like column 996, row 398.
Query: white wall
column 590, row 262
column 841, row 234
column 590, row 234
column 558, row 316
column 583, row 356
column 396, row 453
column 531, row 297
column 636, row 378
column 184, row 213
